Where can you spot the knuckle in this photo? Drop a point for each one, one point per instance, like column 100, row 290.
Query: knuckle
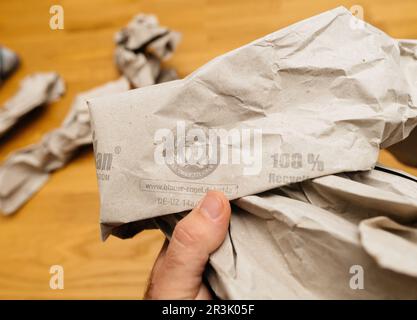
column 185, row 246
column 174, row 261
column 184, row 235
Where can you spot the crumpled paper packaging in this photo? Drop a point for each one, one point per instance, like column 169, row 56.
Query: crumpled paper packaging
column 141, row 46
column 26, row 170
column 311, row 88
column 9, row 61
column 298, row 85
column 402, row 150
column 35, row 90
column 301, row 241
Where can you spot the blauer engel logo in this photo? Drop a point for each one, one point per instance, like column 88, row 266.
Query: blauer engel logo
column 193, row 152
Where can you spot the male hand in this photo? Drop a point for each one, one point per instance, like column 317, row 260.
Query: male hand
column 178, row 270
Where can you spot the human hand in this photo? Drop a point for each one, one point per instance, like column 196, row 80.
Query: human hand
column 178, row 270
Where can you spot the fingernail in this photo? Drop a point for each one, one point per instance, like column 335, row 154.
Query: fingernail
column 212, row 206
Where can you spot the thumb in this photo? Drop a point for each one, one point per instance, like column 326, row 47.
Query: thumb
column 195, row 237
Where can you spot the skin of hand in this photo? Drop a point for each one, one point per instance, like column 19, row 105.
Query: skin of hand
column 178, row 270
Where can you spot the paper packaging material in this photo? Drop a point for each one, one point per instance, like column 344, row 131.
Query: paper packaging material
column 9, row 61
column 309, row 239
column 35, row 90
column 26, row 170
column 311, row 88
column 403, row 150
column 298, row 85
column 141, row 47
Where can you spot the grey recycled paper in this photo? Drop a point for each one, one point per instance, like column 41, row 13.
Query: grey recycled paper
column 26, row 170
column 35, row 90
column 314, row 240
column 141, row 47
column 298, row 118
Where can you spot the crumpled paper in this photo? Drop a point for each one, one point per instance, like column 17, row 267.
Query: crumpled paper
column 35, row 90
column 303, row 241
column 26, row 170
column 327, row 97
column 9, row 61
column 298, row 85
column 141, row 47
column 309, row 240
column 403, row 150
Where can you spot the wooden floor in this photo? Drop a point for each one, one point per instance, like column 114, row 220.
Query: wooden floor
column 60, row 224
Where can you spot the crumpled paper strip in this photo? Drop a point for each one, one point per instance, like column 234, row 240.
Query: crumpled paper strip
column 9, row 61
column 141, row 46
column 35, row 90
column 26, row 170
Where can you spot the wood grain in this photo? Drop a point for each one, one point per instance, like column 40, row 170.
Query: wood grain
column 60, row 224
